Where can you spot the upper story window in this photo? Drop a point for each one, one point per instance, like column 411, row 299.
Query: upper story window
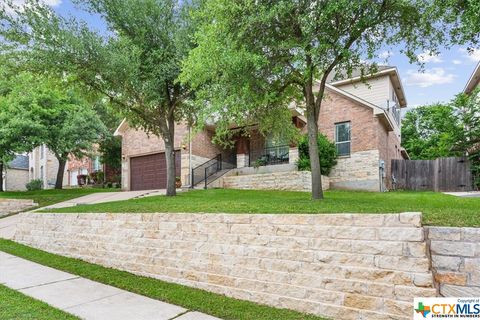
column 343, row 138
column 42, row 151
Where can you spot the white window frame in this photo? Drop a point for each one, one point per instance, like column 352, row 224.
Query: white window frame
column 346, row 141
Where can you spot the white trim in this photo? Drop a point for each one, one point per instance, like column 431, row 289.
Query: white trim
column 121, row 128
column 473, row 81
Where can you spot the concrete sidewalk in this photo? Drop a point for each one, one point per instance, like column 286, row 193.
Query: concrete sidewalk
column 85, row 298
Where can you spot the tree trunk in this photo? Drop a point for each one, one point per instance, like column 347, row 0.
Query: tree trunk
column 1, row 177
column 170, row 158
column 312, row 129
column 61, row 169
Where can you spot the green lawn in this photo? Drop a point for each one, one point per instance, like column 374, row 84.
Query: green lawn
column 51, row 196
column 16, row 305
column 439, row 209
column 189, row 298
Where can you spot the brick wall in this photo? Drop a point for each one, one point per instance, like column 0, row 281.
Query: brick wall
column 138, row 142
column 389, row 148
column 337, row 109
column 343, row 266
column 456, row 260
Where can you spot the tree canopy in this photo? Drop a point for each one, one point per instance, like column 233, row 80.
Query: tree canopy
column 254, row 58
column 136, row 64
column 430, row 132
column 42, row 111
column 445, row 130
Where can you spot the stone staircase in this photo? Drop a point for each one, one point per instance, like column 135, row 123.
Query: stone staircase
column 8, row 206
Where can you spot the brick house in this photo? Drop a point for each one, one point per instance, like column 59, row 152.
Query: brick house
column 361, row 118
column 15, row 176
column 43, row 165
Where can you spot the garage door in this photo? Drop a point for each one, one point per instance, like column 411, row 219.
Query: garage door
column 150, row 172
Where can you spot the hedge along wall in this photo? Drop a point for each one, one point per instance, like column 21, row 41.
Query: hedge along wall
column 343, row 266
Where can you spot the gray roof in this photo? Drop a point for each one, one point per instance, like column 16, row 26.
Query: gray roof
column 20, row 162
column 333, row 77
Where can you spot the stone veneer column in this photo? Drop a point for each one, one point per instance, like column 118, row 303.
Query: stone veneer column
column 125, row 173
column 242, row 160
column 293, row 155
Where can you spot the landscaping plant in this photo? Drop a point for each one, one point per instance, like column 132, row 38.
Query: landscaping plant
column 34, row 185
column 326, row 151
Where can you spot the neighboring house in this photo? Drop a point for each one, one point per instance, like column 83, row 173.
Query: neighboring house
column 84, row 166
column 362, row 118
column 474, row 80
column 44, row 166
column 15, row 176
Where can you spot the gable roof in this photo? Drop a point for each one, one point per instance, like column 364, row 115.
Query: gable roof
column 20, row 162
column 474, row 80
column 335, row 77
column 356, row 76
column 381, row 113
column 121, row 128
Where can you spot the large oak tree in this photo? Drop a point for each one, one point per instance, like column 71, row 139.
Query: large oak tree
column 40, row 110
column 254, row 56
column 135, row 63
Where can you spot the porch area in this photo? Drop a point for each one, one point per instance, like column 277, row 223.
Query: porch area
column 256, row 151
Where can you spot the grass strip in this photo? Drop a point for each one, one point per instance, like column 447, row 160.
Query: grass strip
column 189, row 298
column 16, row 305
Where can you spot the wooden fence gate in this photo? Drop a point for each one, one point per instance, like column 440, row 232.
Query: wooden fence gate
column 442, row 174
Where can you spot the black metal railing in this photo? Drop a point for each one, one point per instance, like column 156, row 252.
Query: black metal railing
column 207, row 171
column 269, row 156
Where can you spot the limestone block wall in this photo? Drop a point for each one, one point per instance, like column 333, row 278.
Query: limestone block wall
column 292, row 180
column 342, row 266
column 359, row 171
column 456, row 260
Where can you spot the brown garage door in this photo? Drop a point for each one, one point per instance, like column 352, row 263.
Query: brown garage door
column 150, row 172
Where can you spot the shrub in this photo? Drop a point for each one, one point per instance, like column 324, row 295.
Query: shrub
column 34, row 185
column 326, row 150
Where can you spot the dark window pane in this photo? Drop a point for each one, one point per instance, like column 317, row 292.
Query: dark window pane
column 343, row 132
column 343, row 148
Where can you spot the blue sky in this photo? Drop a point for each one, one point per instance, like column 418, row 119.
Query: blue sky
column 444, row 75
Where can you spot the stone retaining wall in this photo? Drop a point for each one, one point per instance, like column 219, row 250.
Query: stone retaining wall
column 8, row 206
column 343, row 266
column 292, row 180
column 456, row 260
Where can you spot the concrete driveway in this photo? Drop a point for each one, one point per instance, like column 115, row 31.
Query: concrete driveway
column 102, row 197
